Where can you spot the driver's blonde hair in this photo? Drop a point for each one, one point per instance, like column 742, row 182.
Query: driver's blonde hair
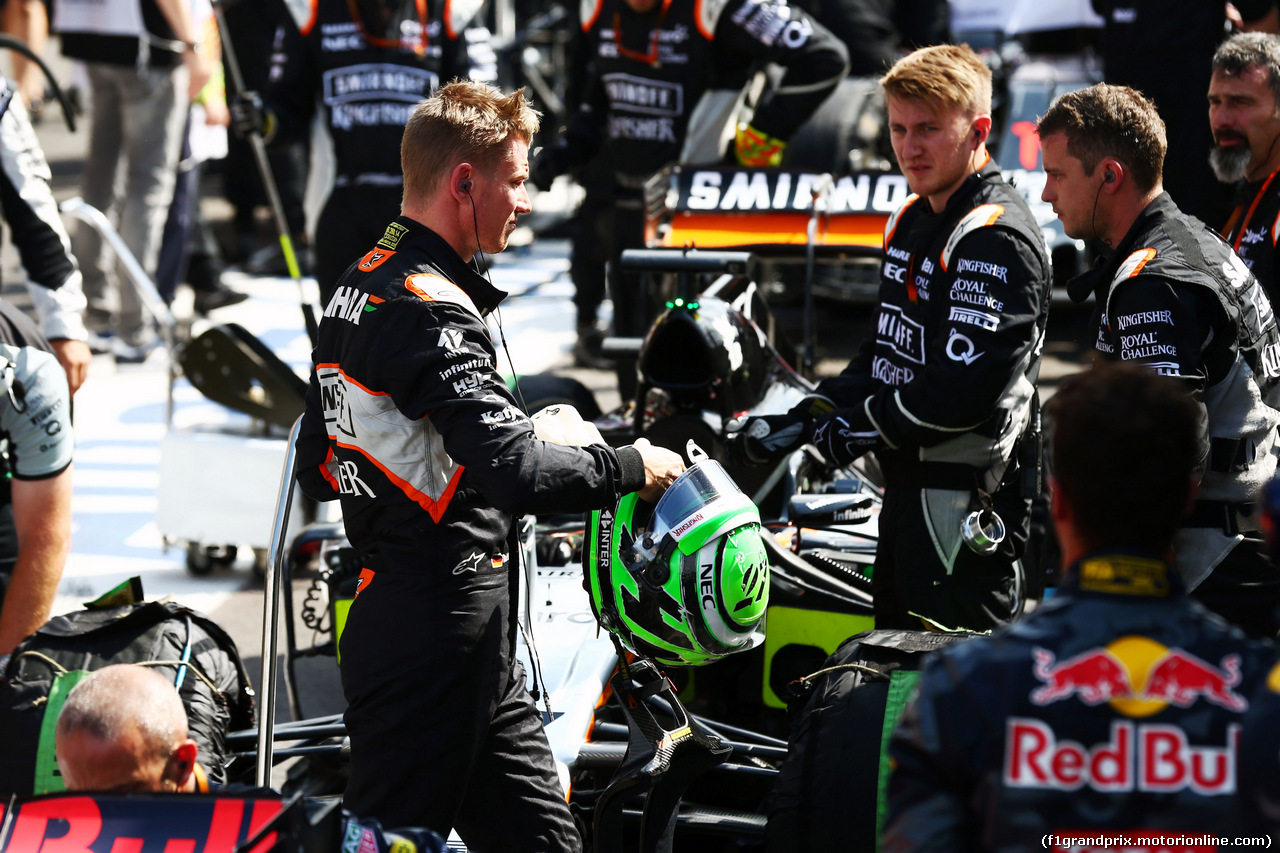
column 946, row 75
column 464, row 121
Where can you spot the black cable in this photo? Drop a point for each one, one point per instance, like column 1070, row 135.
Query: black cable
column 539, row 682
column 497, row 311
column 1094, row 216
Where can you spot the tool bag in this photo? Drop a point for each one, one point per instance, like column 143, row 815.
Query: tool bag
column 831, row 792
column 185, row 646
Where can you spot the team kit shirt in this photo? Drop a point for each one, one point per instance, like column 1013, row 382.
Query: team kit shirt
column 1174, row 297
column 949, row 375
column 367, row 90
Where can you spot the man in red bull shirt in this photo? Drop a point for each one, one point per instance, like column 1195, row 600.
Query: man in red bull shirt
column 1114, row 711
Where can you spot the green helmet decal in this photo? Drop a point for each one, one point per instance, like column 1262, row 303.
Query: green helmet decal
column 684, row 586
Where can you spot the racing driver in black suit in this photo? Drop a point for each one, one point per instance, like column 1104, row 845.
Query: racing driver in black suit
column 409, row 423
column 370, row 62
column 945, row 391
column 1173, row 296
column 651, row 61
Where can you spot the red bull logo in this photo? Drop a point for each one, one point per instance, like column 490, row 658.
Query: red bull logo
column 1138, row 677
column 1137, row 757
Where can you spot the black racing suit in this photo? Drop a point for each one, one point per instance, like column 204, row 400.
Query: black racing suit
column 409, row 423
column 368, row 93
column 1253, row 228
column 1113, row 709
column 1175, row 297
column 944, row 393
column 649, row 70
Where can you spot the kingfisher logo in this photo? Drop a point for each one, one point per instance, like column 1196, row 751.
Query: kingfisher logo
column 688, row 524
column 1137, row 677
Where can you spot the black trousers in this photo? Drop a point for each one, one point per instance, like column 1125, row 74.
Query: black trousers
column 910, row 576
column 443, row 732
column 1245, row 588
column 353, row 220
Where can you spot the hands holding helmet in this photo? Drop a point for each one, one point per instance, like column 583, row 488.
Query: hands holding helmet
column 661, row 467
column 768, row 438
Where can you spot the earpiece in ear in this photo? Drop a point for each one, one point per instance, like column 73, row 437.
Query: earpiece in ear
column 1108, row 177
column 977, row 134
column 464, row 187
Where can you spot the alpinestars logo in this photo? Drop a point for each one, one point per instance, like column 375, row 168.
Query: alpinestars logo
column 469, row 564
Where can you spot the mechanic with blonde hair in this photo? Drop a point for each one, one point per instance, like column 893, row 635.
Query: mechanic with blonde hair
column 945, row 391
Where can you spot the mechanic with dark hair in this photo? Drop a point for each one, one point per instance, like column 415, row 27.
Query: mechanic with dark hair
column 1164, row 48
column 945, row 391
column 1046, row 731
column 1173, row 296
column 1244, row 114
column 409, row 423
column 369, row 62
column 651, row 62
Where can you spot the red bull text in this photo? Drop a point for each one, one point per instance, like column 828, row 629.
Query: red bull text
column 1137, row 757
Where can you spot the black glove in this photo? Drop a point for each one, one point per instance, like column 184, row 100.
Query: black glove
column 767, row 438
column 841, row 442
column 249, row 116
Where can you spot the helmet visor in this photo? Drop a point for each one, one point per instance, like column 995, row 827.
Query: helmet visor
column 683, row 505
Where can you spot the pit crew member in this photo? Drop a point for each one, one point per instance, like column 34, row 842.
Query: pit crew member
column 369, row 62
column 409, row 423
column 1173, row 296
column 54, row 282
column 1244, row 115
column 35, row 494
column 944, row 393
column 1113, row 709
column 651, row 61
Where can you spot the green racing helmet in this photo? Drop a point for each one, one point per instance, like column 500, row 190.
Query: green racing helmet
column 684, row 582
